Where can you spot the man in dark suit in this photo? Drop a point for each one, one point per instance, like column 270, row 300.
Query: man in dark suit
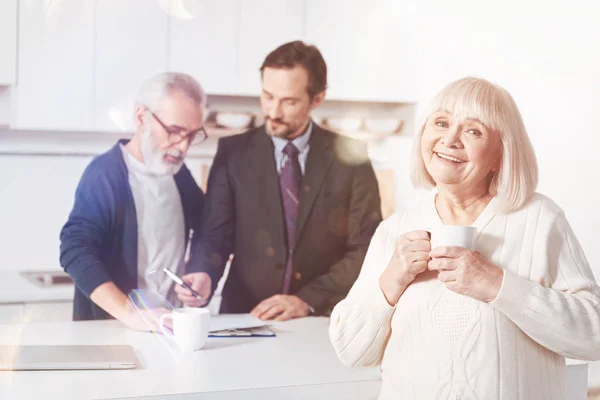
column 294, row 203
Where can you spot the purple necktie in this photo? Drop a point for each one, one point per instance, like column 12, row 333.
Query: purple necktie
column 289, row 182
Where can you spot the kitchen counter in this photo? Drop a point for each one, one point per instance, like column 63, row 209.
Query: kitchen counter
column 15, row 288
column 298, row 362
column 72, row 143
column 300, row 356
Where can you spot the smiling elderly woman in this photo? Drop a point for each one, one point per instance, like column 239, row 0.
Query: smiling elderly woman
column 527, row 295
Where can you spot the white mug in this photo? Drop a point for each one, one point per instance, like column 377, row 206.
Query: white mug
column 190, row 327
column 453, row 235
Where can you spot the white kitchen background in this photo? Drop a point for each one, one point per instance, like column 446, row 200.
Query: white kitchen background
column 69, row 70
column 78, row 64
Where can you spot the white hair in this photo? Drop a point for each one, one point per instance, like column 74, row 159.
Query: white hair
column 161, row 85
column 516, row 180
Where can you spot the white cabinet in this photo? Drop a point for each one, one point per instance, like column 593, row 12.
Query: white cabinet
column 264, row 25
column 369, row 48
column 11, row 313
column 131, row 46
column 223, row 43
column 81, row 63
column 55, row 68
column 8, row 42
column 203, row 43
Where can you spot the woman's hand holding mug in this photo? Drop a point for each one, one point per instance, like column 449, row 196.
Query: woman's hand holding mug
column 409, row 260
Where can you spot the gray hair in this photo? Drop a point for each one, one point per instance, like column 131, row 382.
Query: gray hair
column 161, row 85
column 516, row 180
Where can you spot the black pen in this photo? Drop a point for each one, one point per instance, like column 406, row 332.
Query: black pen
column 182, row 283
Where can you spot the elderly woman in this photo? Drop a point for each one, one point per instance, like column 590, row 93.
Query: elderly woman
column 491, row 323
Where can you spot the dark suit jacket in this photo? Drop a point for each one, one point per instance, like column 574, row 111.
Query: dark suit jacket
column 339, row 212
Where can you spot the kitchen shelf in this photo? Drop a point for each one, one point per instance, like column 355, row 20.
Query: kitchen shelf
column 85, row 144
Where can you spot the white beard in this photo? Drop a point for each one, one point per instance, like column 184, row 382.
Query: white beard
column 154, row 159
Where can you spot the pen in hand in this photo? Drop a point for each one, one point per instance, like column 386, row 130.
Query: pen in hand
column 179, row 281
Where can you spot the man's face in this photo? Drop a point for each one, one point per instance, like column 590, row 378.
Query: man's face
column 175, row 116
column 285, row 101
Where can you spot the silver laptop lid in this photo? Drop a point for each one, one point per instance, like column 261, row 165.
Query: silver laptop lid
column 67, row 357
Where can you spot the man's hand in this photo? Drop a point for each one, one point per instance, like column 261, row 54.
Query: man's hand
column 116, row 303
column 281, row 307
column 201, row 283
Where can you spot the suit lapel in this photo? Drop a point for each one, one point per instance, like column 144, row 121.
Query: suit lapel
column 261, row 166
column 318, row 162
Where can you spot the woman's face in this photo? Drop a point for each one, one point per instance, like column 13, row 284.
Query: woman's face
column 460, row 153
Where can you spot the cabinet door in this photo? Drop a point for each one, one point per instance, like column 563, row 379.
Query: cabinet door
column 203, row 43
column 55, row 68
column 369, row 47
column 11, row 313
column 8, row 41
column 131, row 46
column 265, row 25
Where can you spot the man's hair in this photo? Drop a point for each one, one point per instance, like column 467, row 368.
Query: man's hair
column 298, row 53
column 161, row 85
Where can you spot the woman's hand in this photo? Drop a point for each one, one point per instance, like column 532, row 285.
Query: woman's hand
column 409, row 260
column 467, row 272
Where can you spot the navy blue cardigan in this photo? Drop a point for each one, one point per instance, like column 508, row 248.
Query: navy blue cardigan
column 99, row 240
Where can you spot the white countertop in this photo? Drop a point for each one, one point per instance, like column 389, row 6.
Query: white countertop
column 15, row 288
column 299, row 361
column 300, row 355
column 363, row 390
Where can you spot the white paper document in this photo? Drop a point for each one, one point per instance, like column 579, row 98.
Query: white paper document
column 223, row 322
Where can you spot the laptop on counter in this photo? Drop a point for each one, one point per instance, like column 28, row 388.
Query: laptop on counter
column 48, row 357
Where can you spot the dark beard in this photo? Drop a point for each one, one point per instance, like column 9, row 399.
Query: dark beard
column 284, row 135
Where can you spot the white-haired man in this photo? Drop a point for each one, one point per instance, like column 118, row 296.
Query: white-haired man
column 134, row 209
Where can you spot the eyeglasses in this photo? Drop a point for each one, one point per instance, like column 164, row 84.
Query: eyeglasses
column 177, row 136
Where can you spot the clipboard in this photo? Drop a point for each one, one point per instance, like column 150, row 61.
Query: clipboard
column 261, row 331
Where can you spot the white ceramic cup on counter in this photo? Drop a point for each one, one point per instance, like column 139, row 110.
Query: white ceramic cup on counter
column 190, row 327
column 453, row 235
